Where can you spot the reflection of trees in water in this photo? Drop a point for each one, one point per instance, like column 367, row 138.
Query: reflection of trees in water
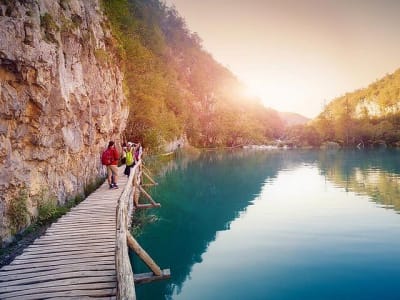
column 205, row 193
column 374, row 173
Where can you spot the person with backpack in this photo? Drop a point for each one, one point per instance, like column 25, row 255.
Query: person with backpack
column 129, row 161
column 109, row 158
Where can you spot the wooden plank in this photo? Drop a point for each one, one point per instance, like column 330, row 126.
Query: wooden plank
column 56, row 263
column 59, row 283
column 147, row 206
column 37, row 257
column 71, row 293
column 83, row 267
column 90, row 241
column 82, row 228
column 149, row 178
column 149, row 277
column 154, row 203
column 53, row 277
column 74, row 225
column 83, row 246
column 148, row 184
column 90, row 286
column 59, row 267
column 134, row 245
column 60, row 256
column 81, row 233
column 73, row 242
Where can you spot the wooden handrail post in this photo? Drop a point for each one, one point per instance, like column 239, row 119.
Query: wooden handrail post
column 134, row 245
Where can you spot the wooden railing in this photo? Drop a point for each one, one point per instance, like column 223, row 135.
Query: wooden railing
column 125, row 278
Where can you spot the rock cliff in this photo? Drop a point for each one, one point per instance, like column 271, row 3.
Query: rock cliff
column 61, row 100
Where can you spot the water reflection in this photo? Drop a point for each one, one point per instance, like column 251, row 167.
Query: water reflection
column 374, row 173
column 199, row 198
column 203, row 194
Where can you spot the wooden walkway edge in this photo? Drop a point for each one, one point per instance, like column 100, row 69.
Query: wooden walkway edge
column 76, row 256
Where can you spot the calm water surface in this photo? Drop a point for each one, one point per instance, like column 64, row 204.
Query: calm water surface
column 276, row 225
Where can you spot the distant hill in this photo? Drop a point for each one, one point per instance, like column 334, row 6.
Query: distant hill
column 290, row 119
column 378, row 100
column 368, row 116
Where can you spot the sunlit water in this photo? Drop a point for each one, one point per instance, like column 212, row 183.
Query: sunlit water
column 282, row 225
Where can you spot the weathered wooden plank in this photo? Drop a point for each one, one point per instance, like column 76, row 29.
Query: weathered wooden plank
column 90, row 286
column 61, row 256
column 147, row 206
column 82, row 228
column 86, row 224
column 30, row 256
column 59, row 276
column 81, row 233
column 35, row 270
column 82, row 267
column 60, row 282
column 134, row 245
column 149, row 277
column 71, row 242
column 93, row 210
column 154, row 203
column 57, row 263
column 149, row 178
column 85, row 217
column 71, row 293
column 96, row 247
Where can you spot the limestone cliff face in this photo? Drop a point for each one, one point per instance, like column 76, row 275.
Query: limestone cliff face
column 61, row 99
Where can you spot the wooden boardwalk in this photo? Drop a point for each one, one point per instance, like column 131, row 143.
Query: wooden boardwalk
column 75, row 258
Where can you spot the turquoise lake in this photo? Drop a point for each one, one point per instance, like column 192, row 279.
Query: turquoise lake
column 276, row 225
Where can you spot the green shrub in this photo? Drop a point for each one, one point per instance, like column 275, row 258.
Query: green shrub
column 18, row 213
column 50, row 27
column 47, row 208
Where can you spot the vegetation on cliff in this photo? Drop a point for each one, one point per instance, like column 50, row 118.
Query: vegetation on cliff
column 368, row 116
column 176, row 88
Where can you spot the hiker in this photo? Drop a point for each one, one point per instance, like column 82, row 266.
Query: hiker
column 110, row 158
column 138, row 152
column 129, row 161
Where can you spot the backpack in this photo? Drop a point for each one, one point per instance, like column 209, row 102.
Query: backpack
column 107, row 158
column 129, row 158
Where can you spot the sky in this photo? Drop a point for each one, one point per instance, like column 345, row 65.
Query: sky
column 298, row 55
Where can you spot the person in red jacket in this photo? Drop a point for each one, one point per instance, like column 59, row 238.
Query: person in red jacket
column 112, row 169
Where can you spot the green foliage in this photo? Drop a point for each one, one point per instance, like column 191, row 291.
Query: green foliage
column 177, row 88
column 17, row 212
column 102, row 57
column 344, row 122
column 47, row 207
column 139, row 220
column 50, row 27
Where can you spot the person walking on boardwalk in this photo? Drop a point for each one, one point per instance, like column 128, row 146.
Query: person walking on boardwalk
column 110, row 158
column 129, row 161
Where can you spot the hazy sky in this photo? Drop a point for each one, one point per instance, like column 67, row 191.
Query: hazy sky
column 297, row 54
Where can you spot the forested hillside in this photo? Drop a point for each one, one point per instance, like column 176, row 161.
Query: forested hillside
column 175, row 88
column 368, row 116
